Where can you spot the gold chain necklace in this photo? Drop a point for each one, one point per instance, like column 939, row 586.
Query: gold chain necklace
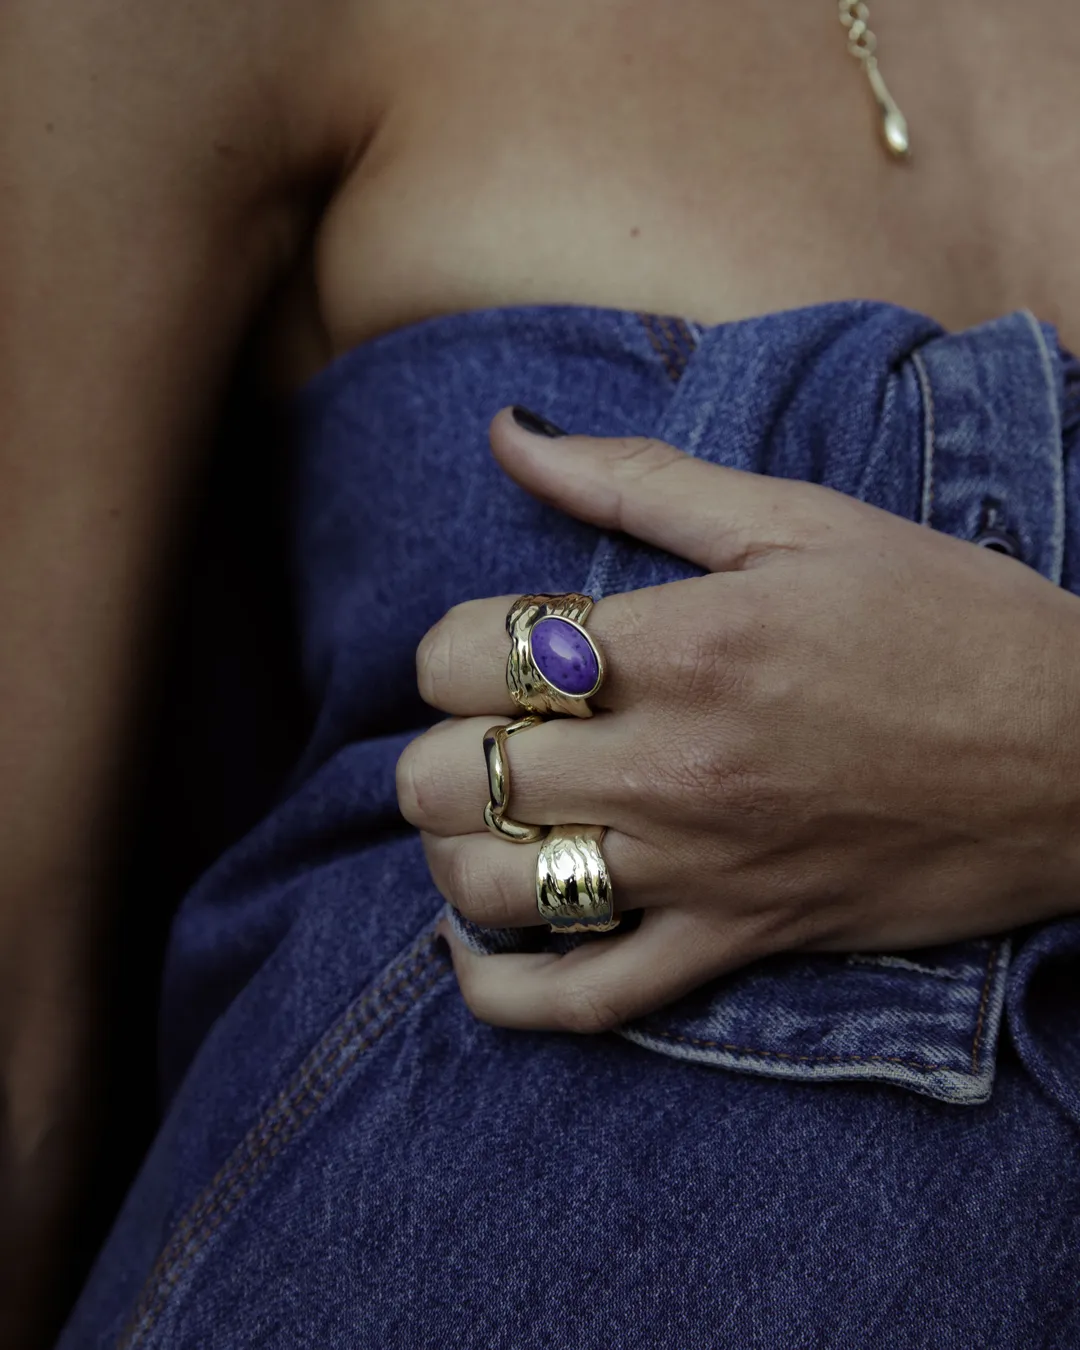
column 862, row 44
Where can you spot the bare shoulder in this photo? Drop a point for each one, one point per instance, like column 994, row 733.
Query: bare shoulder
column 161, row 162
column 231, row 98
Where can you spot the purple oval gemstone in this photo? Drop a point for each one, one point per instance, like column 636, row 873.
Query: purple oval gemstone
column 564, row 656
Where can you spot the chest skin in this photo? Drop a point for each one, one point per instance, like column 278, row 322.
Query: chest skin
column 703, row 158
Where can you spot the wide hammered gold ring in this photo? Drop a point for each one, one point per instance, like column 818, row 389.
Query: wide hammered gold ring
column 573, row 886
column 554, row 665
column 498, row 769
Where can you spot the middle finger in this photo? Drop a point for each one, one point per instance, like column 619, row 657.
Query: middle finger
column 590, row 772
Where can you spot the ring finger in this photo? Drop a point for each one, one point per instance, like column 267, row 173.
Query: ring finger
column 561, row 770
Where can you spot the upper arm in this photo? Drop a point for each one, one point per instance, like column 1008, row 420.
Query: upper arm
column 152, row 156
column 155, row 161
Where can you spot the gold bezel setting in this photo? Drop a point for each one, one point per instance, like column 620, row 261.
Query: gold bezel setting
column 530, row 689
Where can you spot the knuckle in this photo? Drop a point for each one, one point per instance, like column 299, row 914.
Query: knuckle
column 812, row 513
column 689, row 784
column 479, row 986
column 736, row 785
column 481, row 891
column 640, row 456
column 585, row 1010
column 701, row 667
column 448, row 654
column 478, row 997
column 712, row 663
column 459, row 882
column 639, row 460
column 470, row 984
column 433, row 662
column 748, row 945
column 799, row 517
column 714, row 776
column 755, row 801
column 415, row 785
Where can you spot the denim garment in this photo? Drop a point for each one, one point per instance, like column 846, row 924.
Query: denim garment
column 350, row 1159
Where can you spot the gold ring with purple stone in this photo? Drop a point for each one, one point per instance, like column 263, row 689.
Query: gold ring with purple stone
column 498, row 769
column 554, row 666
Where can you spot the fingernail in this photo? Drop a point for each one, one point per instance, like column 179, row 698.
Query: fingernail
column 539, row 426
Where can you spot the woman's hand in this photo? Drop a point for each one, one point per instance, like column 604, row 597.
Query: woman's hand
column 854, row 734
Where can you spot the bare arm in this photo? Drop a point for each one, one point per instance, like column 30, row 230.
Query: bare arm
column 154, row 167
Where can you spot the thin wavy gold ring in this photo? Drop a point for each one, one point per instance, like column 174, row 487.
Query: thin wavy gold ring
column 498, row 770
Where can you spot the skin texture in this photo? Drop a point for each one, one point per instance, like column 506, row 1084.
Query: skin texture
column 715, row 163
column 172, row 177
column 793, row 752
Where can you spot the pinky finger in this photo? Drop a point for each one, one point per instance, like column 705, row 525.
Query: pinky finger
column 600, row 985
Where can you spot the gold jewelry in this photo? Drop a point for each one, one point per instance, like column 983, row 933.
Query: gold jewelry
column 862, row 44
column 573, row 888
column 498, row 770
column 554, row 666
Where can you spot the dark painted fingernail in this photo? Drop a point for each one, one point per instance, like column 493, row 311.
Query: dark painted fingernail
column 539, row 426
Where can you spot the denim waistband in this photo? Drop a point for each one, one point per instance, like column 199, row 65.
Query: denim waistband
column 993, row 408
column 399, row 512
column 966, row 432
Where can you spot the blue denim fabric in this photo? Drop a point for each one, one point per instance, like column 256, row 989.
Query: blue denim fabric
column 349, row 1159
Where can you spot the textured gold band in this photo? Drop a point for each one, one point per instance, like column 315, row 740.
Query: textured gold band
column 528, row 686
column 498, row 771
column 573, row 888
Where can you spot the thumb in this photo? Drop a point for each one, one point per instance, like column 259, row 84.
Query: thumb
column 716, row 517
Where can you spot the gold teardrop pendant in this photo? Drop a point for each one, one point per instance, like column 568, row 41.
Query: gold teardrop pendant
column 894, row 127
column 862, row 44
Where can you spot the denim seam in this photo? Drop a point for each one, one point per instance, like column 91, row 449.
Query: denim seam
column 801, row 1059
column 657, row 344
column 850, row 1059
column 929, row 435
column 690, row 334
column 995, row 952
column 666, row 344
column 281, row 1121
column 673, row 332
column 605, row 555
column 674, row 368
column 1057, row 537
